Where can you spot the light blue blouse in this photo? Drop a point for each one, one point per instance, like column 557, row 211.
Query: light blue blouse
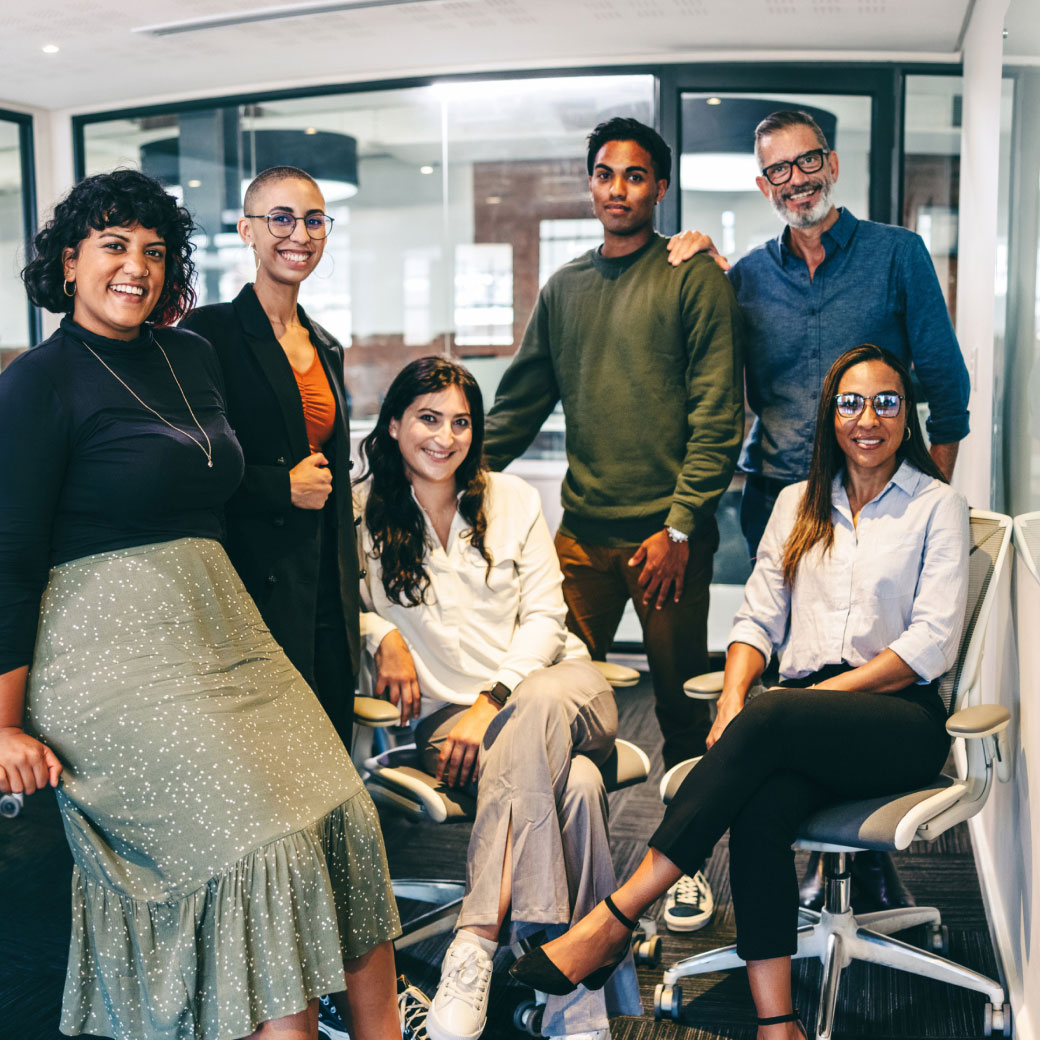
column 896, row 579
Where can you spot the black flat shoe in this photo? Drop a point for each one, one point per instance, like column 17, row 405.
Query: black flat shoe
column 778, row 1019
column 536, row 970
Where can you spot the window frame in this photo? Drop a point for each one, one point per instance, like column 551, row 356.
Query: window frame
column 27, row 162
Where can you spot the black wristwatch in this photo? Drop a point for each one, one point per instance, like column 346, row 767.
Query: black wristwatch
column 498, row 694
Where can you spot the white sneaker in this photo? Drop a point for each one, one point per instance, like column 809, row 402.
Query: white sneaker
column 690, row 904
column 459, row 1008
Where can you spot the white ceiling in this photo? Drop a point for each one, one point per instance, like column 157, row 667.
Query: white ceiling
column 101, row 62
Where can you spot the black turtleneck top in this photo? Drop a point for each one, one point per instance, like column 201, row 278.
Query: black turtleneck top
column 85, row 468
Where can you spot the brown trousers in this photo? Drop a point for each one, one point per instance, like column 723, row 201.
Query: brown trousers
column 598, row 582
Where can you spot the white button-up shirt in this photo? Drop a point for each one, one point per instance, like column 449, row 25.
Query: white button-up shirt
column 897, row 578
column 477, row 628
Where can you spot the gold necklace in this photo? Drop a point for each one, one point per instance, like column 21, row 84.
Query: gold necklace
column 208, row 450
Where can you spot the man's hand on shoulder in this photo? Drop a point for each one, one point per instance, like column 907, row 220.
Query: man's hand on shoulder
column 689, row 243
column 664, row 567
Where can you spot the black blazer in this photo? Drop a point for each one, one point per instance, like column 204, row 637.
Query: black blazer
column 275, row 546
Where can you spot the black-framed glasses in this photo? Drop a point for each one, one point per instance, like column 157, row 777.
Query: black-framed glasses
column 886, row 405
column 282, row 225
column 807, row 162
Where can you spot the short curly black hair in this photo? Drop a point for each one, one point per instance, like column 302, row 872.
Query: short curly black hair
column 121, row 198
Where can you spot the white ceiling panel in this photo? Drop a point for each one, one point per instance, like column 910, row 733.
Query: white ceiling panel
column 102, row 62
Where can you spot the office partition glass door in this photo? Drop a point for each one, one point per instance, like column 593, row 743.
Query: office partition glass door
column 17, row 321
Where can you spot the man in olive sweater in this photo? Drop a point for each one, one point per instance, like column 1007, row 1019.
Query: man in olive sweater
column 646, row 359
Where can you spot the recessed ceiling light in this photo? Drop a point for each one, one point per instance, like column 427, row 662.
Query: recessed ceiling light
column 426, row 169
column 714, row 101
column 50, row 48
column 311, row 130
column 194, row 184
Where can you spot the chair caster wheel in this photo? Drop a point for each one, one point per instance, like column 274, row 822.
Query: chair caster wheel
column 996, row 1020
column 667, row 1001
column 648, row 951
column 939, row 939
column 527, row 1017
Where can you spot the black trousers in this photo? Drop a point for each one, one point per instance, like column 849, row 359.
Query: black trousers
column 789, row 753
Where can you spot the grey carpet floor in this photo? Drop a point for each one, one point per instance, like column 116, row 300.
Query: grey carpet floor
column 874, row 1002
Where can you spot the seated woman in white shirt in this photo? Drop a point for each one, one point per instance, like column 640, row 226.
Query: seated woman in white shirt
column 860, row 583
column 466, row 625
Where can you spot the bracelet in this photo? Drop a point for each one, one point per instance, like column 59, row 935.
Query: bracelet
column 676, row 536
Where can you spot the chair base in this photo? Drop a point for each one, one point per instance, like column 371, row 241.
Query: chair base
column 837, row 937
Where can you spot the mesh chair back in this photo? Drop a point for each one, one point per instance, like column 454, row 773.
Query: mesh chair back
column 989, row 535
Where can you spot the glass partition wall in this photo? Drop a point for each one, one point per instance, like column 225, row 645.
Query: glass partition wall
column 18, row 323
column 453, row 202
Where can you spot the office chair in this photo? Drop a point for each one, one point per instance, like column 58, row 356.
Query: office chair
column 396, row 781
column 835, row 934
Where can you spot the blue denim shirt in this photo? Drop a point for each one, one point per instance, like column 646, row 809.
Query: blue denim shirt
column 877, row 285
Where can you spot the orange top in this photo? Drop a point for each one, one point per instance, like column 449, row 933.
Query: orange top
column 319, row 406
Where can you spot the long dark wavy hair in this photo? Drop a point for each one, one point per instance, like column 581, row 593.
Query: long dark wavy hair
column 813, row 523
column 393, row 517
column 121, row 198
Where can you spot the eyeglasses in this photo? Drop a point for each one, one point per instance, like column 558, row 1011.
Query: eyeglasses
column 807, row 162
column 886, row 405
column 282, row 225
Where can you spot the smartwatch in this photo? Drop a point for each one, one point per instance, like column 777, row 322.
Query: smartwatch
column 498, row 694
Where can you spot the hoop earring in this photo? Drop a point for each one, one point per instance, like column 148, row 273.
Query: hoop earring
column 332, row 267
column 256, row 256
column 65, row 288
column 906, row 433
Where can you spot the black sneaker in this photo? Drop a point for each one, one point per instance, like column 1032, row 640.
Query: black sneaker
column 330, row 1023
column 689, row 905
column 412, row 1007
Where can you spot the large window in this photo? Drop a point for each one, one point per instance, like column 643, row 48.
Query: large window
column 448, row 200
column 16, row 321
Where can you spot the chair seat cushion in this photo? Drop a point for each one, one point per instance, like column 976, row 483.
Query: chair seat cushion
column 399, row 770
column 887, row 823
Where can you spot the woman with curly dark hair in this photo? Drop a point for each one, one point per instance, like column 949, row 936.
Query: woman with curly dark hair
column 466, row 628
column 228, row 866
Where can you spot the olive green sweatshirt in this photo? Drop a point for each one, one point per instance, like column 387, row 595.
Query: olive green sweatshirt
column 646, row 359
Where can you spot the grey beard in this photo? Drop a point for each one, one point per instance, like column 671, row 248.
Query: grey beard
column 806, row 218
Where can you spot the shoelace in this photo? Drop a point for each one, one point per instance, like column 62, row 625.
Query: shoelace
column 469, row 973
column 690, row 891
column 413, row 1007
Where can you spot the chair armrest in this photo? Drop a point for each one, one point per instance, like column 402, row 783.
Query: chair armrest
column 617, row 674
column 706, row 687
column 375, row 713
column 981, row 720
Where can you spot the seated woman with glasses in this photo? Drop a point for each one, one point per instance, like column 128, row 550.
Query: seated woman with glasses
column 860, row 584
column 467, row 631
column 290, row 529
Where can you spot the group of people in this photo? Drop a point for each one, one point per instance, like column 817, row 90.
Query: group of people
column 190, row 581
